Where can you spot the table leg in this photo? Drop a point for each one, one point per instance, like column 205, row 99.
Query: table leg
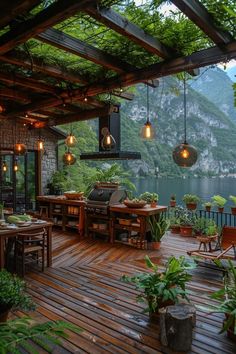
column 49, row 246
column 2, row 260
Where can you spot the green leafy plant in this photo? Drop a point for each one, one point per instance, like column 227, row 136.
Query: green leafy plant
column 13, row 293
column 233, row 198
column 59, row 181
column 191, row 198
column 204, row 226
column 227, row 297
column 211, row 230
column 158, row 288
column 158, row 227
column 173, row 197
column 15, row 335
column 219, row 201
column 207, row 204
column 112, row 174
column 187, row 218
column 149, row 197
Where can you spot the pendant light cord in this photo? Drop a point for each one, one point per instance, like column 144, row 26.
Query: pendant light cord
column 185, row 112
column 147, row 103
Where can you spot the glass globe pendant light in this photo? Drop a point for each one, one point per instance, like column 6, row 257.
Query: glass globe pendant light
column 147, row 131
column 19, row 149
column 70, row 140
column 185, row 155
column 15, row 166
column 108, row 142
column 69, row 158
column 4, row 166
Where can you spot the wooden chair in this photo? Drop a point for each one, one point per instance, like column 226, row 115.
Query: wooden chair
column 28, row 248
column 227, row 243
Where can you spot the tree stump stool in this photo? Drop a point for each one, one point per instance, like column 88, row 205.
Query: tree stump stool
column 176, row 326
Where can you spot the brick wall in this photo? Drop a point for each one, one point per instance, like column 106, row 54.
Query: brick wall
column 11, row 132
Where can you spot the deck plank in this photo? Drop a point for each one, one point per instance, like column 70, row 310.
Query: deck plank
column 84, row 288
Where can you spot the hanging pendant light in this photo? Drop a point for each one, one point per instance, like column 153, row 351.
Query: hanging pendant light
column 185, row 155
column 40, row 145
column 108, row 142
column 147, row 131
column 15, row 166
column 4, row 166
column 69, row 158
column 19, row 149
column 71, row 140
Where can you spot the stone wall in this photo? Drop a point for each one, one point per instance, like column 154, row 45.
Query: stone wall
column 11, row 132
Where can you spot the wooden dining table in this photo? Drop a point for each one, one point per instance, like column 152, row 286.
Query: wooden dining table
column 12, row 232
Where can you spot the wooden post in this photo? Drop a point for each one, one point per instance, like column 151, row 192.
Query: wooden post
column 176, row 326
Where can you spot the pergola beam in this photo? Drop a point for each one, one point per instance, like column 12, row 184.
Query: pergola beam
column 81, row 116
column 121, row 25
column 75, row 46
column 198, row 14
column 54, row 13
column 20, row 58
column 11, row 9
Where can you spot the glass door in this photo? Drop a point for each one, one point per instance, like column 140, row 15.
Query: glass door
column 18, row 188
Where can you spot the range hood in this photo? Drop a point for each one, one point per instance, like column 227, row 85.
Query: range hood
column 112, row 121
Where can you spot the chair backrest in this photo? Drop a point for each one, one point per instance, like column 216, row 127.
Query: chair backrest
column 228, row 236
column 39, row 234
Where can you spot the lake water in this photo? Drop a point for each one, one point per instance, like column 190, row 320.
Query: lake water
column 205, row 188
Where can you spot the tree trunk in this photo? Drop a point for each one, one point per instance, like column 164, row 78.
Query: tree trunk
column 176, row 326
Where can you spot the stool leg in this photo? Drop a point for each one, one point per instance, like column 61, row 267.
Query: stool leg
column 23, row 264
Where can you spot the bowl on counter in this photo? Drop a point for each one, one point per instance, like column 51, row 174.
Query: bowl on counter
column 135, row 204
column 74, row 195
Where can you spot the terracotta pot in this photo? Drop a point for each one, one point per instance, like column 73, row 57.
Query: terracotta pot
column 172, row 203
column 233, row 210
column 175, row 229
column 191, row 206
column 154, row 245
column 153, row 204
column 220, row 209
column 208, row 208
column 186, row 231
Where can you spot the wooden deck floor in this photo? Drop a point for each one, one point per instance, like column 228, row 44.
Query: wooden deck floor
column 84, row 287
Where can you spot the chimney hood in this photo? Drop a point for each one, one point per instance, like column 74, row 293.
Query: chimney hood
column 112, row 121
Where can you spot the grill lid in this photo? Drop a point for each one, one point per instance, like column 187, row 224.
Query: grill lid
column 106, row 196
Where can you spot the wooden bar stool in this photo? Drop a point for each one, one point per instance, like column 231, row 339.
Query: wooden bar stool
column 43, row 211
column 28, row 248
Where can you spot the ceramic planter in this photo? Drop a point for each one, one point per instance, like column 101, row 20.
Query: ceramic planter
column 175, row 229
column 186, row 231
column 172, row 203
column 191, row 206
column 220, row 209
column 233, row 210
column 154, row 245
column 208, row 208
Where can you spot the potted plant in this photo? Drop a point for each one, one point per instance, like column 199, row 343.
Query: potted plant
column 207, row 206
column 172, row 200
column 191, row 201
column 174, row 224
column 186, row 223
column 220, row 202
column 227, row 298
column 158, row 227
column 12, row 294
column 233, row 209
column 160, row 289
column 150, row 198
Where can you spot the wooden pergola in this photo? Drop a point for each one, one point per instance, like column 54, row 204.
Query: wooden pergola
column 30, row 95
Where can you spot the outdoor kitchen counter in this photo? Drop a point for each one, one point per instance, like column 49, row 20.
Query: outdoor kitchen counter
column 66, row 213
column 120, row 211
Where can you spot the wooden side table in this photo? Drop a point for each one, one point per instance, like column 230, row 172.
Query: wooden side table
column 205, row 242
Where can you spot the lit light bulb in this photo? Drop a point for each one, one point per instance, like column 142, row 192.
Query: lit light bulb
column 4, row 166
column 69, row 158
column 85, row 99
column 184, row 153
column 19, row 149
column 15, row 167
column 108, row 142
column 71, row 140
column 147, row 131
column 40, row 145
column 108, row 139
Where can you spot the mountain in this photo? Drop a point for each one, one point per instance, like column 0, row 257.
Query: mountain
column 208, row 129
column 217, row 87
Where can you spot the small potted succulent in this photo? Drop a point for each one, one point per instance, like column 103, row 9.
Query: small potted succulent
column 172, row 200
column 191, row 201
column 220, row 202
column 158, row 227
column 13, row 295
column 207, row 206
column 150, row 198
column 161, row 289
column 233, row 209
